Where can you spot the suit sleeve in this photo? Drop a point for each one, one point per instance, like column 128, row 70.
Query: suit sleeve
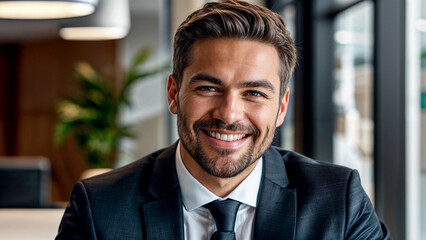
column 362, row 221
column 77, row 222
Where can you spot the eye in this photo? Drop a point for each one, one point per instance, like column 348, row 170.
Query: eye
column 206, row 89
column 255, row 94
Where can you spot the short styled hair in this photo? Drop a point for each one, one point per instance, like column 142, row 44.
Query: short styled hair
column 236, row 20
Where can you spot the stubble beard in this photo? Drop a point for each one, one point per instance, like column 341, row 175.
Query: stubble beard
column 230, row 167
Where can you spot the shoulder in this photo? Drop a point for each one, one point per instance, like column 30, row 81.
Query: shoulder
column 112, row 198
column 329, row 196
column 315, row 179
column 300, row 168
column 130, row 178
column 324, row 183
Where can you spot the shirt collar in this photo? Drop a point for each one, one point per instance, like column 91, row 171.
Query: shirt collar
column 195, row 195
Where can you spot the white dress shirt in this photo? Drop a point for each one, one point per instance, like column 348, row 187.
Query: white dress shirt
column 198, row 222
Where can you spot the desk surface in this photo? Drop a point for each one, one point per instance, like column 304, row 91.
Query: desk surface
column 34, row 224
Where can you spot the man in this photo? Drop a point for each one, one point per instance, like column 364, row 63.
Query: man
column 232, row 63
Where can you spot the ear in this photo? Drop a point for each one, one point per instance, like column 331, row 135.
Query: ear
column 172, row 94
column 283, row 108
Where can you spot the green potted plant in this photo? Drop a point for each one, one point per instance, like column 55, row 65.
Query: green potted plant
column 91, row 116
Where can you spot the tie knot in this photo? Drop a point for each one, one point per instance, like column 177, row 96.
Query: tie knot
column 224, row 213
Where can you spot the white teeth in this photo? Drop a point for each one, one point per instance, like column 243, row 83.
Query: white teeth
column 226, row 137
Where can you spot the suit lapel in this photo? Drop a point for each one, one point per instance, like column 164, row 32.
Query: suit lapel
column 163, row 218
column 162, row 212
column 276, row 208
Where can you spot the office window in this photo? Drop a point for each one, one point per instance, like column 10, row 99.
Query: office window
column 353, row 137
column 421, row 26
column 288, row 12
column 416, row 103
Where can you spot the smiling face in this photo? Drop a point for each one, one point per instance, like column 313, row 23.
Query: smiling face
column 228, row 105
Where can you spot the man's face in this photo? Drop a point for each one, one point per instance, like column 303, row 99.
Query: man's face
column 228, row 104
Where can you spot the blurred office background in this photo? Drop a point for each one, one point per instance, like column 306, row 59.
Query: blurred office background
column 358, row 95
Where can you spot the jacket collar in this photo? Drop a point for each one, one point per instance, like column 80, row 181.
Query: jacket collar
column 276, row 208
column 162, row 213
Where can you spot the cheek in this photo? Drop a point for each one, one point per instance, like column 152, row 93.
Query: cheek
column 262, row 117
column 193, row 109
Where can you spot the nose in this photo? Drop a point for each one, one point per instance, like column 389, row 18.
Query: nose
column 229, row 109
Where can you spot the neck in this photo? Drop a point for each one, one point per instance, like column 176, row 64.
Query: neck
column 221, row 187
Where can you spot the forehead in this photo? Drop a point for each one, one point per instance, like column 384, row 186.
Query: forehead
column 233, row 59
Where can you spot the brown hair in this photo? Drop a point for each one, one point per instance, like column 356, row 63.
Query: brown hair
column 239, row 20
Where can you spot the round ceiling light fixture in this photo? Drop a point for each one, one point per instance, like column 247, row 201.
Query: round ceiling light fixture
column 111, row 20
column 53, row 9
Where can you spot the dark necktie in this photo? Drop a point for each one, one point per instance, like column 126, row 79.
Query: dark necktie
column 224, row 213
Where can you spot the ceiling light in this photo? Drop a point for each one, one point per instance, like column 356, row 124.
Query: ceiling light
column 92, row 33
column 52, row 9
column 111, row 20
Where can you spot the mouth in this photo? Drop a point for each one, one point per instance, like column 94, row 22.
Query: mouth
column 225, row 137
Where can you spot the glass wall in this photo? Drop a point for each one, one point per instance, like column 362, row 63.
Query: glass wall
column 287, row 130
column 421, row 27
column 353, row 138
column 416, row 119
column 419, row 90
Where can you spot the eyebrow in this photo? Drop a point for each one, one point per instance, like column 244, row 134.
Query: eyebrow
column 205, row 77
column 261, row 83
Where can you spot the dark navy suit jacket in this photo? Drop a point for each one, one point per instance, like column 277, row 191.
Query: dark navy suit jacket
column 299, row 198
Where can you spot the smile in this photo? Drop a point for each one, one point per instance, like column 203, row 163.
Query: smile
column 226, row 137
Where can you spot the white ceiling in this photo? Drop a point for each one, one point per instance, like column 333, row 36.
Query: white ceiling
column 13, row 31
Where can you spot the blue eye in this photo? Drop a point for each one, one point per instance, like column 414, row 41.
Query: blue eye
column 254, row 94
